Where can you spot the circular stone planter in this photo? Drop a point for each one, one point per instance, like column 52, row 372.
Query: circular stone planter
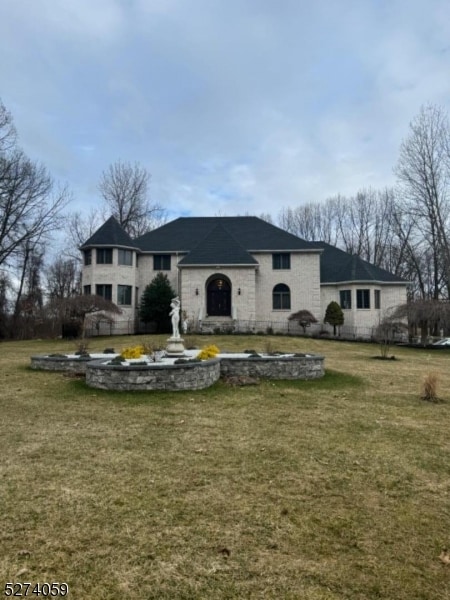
column 70, row 363
column 284, row 366
column 166, row 374
column 153, row 376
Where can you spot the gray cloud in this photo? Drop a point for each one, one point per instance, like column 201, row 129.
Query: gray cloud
column 237, row 106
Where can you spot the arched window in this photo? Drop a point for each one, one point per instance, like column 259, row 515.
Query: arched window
column 281, row 297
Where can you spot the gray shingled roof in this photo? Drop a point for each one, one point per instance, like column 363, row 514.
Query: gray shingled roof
column 218, row 247
column 337, row 265
column 229, row 241
column 111, row 233
column 254, row 234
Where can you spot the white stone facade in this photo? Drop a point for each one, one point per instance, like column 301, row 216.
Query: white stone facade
column 361, row 318
column 261, row 287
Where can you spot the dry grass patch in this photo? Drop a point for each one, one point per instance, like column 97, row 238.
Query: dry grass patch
column 336, row 488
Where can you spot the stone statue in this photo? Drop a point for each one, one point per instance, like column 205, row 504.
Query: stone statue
column 175, row 314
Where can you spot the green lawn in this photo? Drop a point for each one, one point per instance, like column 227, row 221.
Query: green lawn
column 331, row 489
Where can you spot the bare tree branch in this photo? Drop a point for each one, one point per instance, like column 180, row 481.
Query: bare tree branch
column 124, row 188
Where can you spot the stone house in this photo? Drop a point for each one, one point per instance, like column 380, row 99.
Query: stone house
column 232, row 271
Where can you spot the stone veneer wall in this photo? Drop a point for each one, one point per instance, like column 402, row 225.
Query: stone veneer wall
column 61, row 363
column 187, row 376
column 286, row 367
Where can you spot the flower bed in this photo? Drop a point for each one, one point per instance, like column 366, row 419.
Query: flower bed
column 188, row 373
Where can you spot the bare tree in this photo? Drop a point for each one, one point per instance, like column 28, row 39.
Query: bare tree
column 124, row 188
column 5, row 294
column 311, row 221
column 30, row 204
column 29, row 295
column 78, row 229
column 423, row 171
column 8, row 134
column 63, row 278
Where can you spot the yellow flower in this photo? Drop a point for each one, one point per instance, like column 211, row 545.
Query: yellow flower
column 208, row 352
column 132, row 352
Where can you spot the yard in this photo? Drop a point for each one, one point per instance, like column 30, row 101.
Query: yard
column 324, row 490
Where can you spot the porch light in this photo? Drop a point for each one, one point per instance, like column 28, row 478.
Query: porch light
column 239, row 291
column 196, row 291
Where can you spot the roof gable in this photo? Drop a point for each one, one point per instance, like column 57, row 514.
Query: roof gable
column 111, row 233
column 218, row 247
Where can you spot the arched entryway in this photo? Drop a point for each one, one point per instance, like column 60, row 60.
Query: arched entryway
column 218, row 297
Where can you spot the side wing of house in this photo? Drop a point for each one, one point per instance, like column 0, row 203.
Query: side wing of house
column 365, row 293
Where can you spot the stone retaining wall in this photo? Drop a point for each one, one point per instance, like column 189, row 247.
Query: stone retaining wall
column 286, row 367
column 61, row 363
column 187, row 376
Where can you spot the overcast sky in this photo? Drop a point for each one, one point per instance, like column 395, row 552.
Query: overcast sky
column 233, row 106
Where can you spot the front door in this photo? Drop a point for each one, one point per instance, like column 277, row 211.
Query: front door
column 218, row 298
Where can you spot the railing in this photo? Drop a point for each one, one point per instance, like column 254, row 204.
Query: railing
column 242, row 327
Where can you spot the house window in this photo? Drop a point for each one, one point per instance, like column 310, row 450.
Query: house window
column 104, row 290
column 104, row 256
column 124, row 295
column 281, row 260
column 345, row 298
column 362, row 298
column 88, row 257
column 125, row 257
column 161, row 262
column 281, row 297
column 87, row 290
column 377, row 299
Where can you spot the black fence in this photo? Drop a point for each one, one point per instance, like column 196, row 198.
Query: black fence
column 242, row 327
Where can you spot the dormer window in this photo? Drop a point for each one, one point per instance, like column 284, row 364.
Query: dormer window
column 104, row 256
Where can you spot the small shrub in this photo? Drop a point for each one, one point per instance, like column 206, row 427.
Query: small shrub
column 116, row 360
column 429, row 388
column 82, row 346
column 109, row 351
column 184, row 361
column 269, row 347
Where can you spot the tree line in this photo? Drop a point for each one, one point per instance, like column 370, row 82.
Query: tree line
column 35, row 285
column 404, row 229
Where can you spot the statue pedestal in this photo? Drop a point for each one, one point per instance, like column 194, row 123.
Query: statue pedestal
column 175, row 347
